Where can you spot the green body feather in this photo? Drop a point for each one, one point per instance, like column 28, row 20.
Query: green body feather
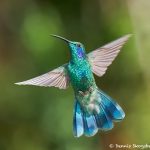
column 81, row 75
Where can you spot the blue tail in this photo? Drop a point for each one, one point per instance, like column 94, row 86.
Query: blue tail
column 89, row 124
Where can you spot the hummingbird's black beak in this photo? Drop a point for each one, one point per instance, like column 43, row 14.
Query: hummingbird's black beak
column 57, row 36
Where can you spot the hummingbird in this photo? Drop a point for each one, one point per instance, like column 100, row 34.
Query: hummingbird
column 94, row 110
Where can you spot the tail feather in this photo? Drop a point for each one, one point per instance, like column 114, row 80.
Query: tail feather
column 88, row 124
column 78, row 127
column 83, row 122
column 90, row 127
column 115, row 111
column 103, row 120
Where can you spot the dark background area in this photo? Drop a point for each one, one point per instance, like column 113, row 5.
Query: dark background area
column 35, row 118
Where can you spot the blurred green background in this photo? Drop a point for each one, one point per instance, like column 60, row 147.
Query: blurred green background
column 35, row 118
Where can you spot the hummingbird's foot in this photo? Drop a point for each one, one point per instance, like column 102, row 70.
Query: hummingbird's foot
column 90, row 90
column 81, row 93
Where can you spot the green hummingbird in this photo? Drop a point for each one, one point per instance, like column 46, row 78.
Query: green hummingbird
column 94, row 110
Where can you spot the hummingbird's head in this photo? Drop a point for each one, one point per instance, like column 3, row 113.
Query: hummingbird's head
column 76, row 48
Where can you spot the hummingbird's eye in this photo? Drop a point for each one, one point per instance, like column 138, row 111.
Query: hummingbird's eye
column 78, row 45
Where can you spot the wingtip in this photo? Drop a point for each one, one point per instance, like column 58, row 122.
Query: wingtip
column 18, row 83
column 129, row 35
column 126, row 37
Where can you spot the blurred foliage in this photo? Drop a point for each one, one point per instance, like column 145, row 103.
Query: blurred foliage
column 34, row 118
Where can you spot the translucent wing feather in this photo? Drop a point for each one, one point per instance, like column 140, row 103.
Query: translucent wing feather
column 102, row 57
column 57, row 78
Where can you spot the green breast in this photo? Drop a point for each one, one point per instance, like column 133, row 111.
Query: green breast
column 81, row 76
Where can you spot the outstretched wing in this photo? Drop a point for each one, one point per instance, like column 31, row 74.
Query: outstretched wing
column 102, row 57
column 57, row 78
